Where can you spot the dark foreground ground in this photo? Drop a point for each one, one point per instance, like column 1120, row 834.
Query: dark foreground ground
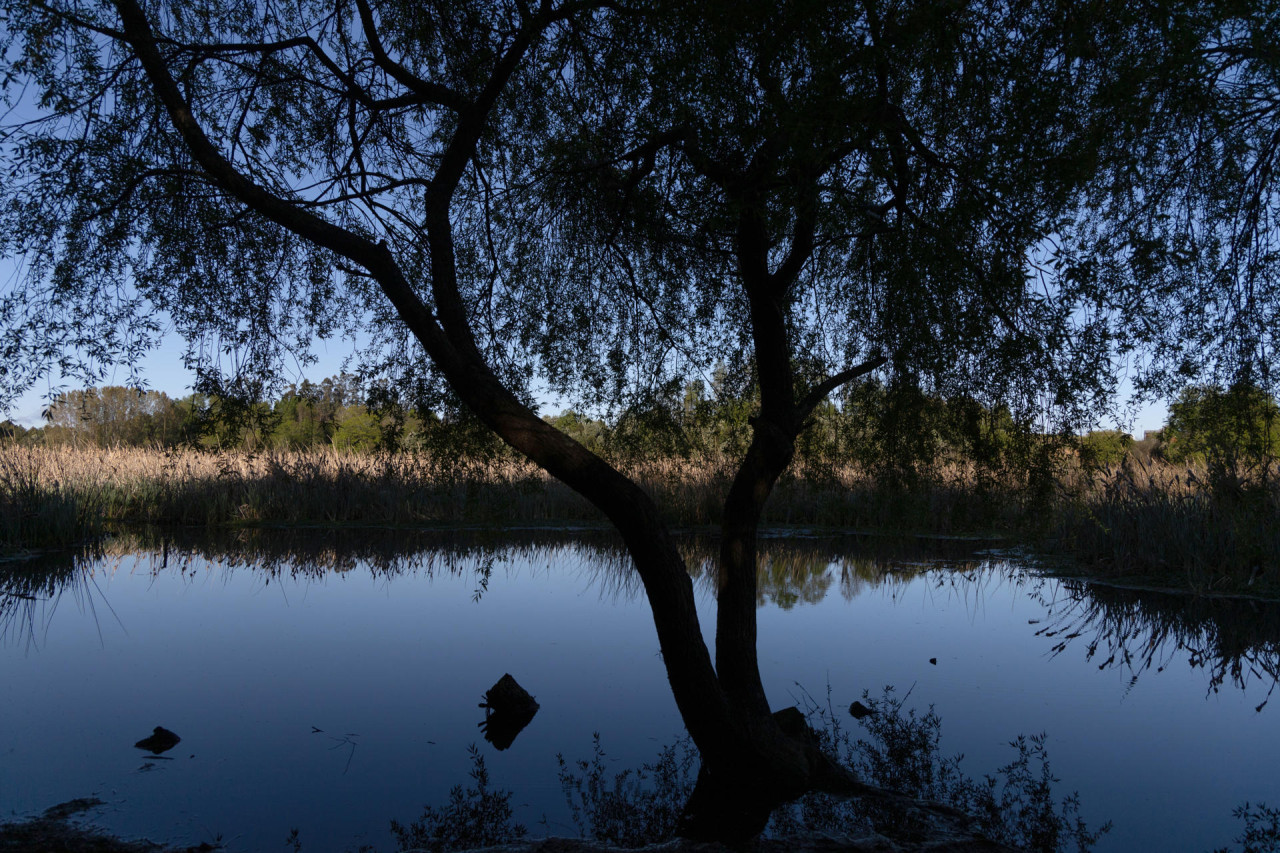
column 55, row 831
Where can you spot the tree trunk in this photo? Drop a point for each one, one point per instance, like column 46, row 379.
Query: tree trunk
column 736, row 657
column 747, row 758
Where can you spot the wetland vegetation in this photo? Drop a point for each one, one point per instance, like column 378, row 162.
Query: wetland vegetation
column 1192, row 507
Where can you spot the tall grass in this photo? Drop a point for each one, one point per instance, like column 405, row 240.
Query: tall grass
column 1182, row 524
column 39, row 508
column 133, row 486
column 136, row 486
column 1143, row 520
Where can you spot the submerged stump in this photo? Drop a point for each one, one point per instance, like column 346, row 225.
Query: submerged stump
column 508, row 709
column 161, row 740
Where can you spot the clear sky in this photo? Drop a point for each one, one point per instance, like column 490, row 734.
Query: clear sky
column 163, row 370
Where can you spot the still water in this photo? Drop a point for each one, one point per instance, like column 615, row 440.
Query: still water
column 330, row 683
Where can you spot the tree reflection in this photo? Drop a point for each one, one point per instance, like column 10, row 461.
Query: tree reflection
column 895, row 748
column 1235, row 640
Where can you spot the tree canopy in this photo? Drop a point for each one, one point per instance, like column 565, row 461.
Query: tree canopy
column 1231, row 429
column 1001, row 199
column 1004, row 201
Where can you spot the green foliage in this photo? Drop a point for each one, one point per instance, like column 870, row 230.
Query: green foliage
column 226, row 422
column 900, row 426
column 304, row 419
column 11, row 433
column 359, row 431
column 307, row 416
column 1105, row 448
column 456, row 438
column 589, row 432
column 903, row 435
column 115, row 416
column 477, row 816
column 1232, row 430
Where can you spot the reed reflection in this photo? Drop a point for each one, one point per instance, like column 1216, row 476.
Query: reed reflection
column 1236, row 641
column 31, row 592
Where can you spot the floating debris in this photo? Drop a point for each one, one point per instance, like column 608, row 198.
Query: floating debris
column 859, row 711
column 161, row 740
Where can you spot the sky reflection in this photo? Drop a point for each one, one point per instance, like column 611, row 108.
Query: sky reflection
column 331, row 682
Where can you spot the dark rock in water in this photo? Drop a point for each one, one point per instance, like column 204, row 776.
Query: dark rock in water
column 501, row 728
column 933, row 661
column 161, row 740
column 508, row 709
column 857, row 710
column 509, row 696
column 791, row 720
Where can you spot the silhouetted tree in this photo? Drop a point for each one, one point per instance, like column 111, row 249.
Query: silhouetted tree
column 609, row 197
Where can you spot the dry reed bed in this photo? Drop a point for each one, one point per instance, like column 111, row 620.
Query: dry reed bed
column 1182, row 524
column 144, row 486
column 166, row 487
column 1139, row 520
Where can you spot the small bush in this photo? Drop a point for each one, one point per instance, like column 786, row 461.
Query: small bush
column 474, row 817
column 635, row 807
column 902, row 751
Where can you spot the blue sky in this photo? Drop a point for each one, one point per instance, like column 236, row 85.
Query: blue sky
column 163, row 370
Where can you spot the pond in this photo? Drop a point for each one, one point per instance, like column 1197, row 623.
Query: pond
column 329, row 682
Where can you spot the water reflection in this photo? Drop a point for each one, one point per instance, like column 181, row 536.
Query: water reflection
column 268, row 651
column 383, row 552
column 31, row 592
column 1235, row 640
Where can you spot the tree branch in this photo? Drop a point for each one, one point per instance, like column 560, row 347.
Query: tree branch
column 425, row 89
column 802, row 243
column 820, row 391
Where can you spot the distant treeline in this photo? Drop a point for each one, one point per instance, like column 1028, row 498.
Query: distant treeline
column 331, row 413
column 899, row 427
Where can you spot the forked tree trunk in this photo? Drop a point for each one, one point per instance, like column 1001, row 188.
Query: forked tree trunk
column 749, row 762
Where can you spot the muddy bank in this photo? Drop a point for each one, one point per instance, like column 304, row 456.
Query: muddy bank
column 57, row 830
